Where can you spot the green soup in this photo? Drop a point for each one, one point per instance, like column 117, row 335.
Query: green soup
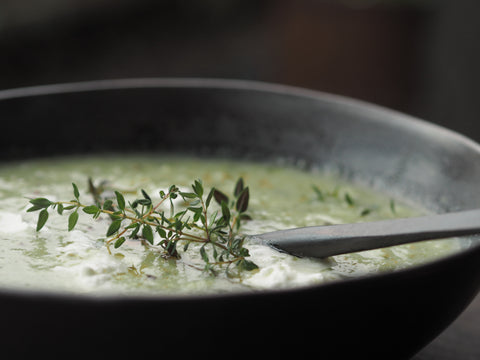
column 281, row 197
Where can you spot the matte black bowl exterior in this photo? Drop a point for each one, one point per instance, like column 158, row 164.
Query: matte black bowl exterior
column 387, row 316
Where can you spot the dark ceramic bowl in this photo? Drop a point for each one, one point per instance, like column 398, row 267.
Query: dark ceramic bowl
column 385, row 316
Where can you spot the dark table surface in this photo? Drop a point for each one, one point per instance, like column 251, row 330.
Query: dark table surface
column 460, row 341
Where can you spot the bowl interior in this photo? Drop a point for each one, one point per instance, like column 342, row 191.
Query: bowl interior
column 423, row 163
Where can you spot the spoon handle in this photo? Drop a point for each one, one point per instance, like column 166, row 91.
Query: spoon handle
column 329, row 240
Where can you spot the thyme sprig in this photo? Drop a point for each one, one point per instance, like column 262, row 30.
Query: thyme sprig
column 216, row 232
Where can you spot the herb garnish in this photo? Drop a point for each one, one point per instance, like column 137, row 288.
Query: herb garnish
column 322, row 196
column 215, row 231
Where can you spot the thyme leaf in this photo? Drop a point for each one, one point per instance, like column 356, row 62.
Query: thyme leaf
column 42, row 219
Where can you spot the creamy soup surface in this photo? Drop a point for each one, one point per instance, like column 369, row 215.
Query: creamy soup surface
column 281, row 197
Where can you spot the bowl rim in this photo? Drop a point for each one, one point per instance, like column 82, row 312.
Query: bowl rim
column 389, row 115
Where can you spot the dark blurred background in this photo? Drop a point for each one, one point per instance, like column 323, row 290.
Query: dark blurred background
column 420, row 57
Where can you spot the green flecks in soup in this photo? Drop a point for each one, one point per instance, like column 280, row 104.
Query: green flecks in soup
column 280, row 197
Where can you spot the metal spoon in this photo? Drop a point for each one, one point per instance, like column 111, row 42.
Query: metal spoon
column 329, row 240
